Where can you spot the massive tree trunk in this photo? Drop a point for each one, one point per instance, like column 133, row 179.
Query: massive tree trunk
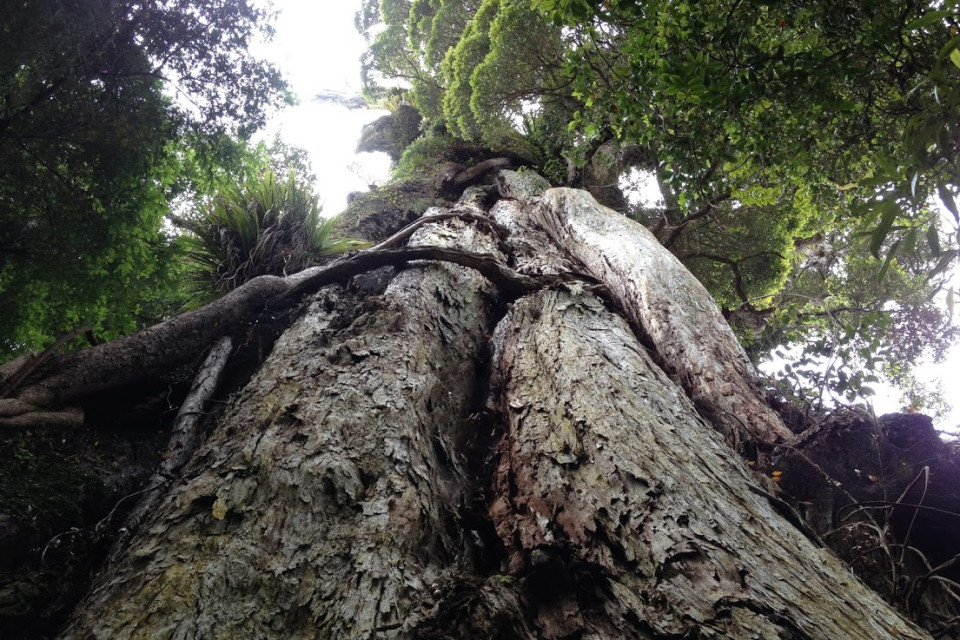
column 538, row 442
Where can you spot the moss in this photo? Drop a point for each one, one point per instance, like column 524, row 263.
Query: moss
column 377, row 214
column 422, row 178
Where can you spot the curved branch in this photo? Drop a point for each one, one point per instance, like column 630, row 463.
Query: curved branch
column 140, row 356
column 734, row 265
column 467, row 176
column 707, row 207
column 33, row 361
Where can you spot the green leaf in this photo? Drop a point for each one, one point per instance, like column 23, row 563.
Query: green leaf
column 955, row 57
column 910, row 241
column 946, row 258
column 889, row 211
column 948, row 49
column 947, row 198
column 933, row 240
column 890, row 256
column 928, row 19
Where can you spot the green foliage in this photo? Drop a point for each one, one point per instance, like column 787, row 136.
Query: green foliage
column 521, row 74
column 800, row 147
column 423, row 156
column 263, row 224
column 470, row 65
column 550, row 141
column 856, row 100
column 458, row 69
column 918, row 398
column 90, row 148
column 854, row 326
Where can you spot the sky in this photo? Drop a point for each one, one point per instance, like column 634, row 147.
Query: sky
column 318, row 49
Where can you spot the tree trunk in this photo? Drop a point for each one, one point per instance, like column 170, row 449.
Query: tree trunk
column 444, row 459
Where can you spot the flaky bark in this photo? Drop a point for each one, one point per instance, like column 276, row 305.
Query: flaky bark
column 608, row 475
column 658, row 293
column 329, row 497
column 139, row 357
column 370, row 481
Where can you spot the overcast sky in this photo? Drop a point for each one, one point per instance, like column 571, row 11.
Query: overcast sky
column 318, row 50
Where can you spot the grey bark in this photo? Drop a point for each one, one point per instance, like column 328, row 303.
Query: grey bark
column 607, row 472
column 420, row 464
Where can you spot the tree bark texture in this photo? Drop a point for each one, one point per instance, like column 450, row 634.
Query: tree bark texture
column 447, row 460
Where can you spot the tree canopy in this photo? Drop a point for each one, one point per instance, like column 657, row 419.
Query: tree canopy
column 98, row 101
column 805, row 151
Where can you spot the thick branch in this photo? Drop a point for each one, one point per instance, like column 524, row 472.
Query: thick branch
column 659, row 294
column 467, row 176
column 707, row 207
column 509, row 283
column 177, row 341
column 738, row 283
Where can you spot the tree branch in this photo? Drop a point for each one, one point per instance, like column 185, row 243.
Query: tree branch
column 709, row 206
column 137, row 357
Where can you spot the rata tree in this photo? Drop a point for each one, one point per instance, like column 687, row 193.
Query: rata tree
column 517, row 416
column 802, row 150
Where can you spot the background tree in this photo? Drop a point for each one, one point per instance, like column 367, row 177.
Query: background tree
column 95, row 100
column 799, row 150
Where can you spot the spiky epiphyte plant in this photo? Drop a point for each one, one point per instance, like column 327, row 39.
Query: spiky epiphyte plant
column 261, row 225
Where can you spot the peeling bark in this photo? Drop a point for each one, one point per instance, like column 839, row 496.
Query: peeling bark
column 642, row 522
column 328, row 498
column 661, row 295
column 486, row 449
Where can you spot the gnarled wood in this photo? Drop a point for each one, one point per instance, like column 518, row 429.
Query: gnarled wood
column 611, row 486
column 661, row 295
column 371, row 482
column 326, row 504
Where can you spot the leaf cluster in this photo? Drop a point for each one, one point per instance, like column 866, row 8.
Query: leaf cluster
column 264, row 223
column 477, row 67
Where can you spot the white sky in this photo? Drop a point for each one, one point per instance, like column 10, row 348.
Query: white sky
column 318, row 49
